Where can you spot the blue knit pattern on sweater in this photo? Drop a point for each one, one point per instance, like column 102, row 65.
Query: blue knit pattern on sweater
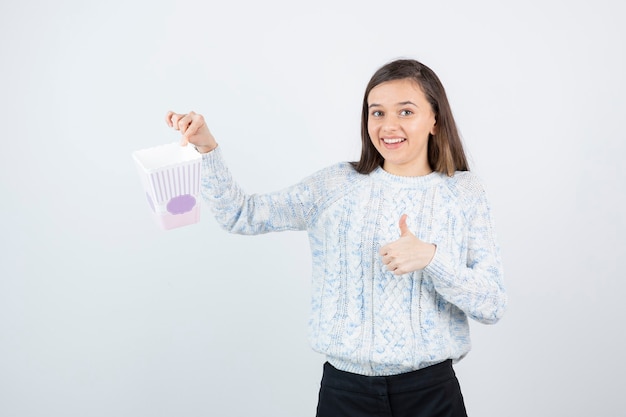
column 365, row 319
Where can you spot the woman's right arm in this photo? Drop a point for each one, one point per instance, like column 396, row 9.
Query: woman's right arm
column 251, row 214
column 236, row 211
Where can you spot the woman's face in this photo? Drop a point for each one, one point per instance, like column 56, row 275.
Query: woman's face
column 399, row 122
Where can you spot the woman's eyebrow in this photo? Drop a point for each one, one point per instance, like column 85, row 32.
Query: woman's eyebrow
column 402, row 103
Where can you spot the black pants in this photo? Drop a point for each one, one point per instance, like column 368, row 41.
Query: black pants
column 430, row 392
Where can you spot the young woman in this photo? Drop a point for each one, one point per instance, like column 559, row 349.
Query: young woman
column 403, row 249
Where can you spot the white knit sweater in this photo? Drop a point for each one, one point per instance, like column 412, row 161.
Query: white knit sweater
column 365, row 319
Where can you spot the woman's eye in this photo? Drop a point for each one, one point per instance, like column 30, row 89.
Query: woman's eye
column 377, row 113
column 406, row 113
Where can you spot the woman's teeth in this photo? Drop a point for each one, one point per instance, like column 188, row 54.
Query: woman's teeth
column 396, row 140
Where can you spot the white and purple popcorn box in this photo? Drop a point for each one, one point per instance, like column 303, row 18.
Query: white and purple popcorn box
column 170, row 175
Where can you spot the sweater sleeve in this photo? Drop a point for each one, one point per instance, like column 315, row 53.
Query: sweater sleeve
column 475, row 285
column 237, row 212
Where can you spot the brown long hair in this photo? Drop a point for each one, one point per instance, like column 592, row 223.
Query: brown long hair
column 445, row 149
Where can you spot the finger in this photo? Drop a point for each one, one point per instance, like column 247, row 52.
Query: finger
column 174, row 119
column 197, row 121
column 183, row 123
column 404, row 229
column 168, row 118
column 186, row 122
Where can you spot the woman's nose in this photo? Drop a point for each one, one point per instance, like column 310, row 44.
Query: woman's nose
column 390, row 124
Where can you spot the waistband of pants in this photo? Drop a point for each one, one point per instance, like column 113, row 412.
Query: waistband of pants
column 409, row 381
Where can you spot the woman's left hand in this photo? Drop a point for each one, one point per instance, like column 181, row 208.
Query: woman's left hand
column 407, row 254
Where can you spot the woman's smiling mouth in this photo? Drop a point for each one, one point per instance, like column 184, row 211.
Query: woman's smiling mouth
column 391, row 141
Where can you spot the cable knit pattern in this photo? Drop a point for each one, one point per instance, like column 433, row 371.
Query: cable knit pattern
column 365, row 319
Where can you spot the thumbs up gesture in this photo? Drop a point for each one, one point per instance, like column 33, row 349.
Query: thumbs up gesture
column 408, row 253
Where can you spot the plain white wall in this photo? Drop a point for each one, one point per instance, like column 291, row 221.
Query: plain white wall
column 103, row 314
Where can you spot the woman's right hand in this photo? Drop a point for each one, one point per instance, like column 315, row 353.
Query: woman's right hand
column 194, row 130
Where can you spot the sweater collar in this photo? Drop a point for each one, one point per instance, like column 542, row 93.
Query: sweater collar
column 413, row 182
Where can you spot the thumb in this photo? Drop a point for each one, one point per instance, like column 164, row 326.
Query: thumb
column 404, row 229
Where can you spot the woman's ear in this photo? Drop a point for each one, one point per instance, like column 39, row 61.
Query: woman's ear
column 433, row 130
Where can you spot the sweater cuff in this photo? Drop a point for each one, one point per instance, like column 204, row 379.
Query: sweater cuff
column 213, row 159
column 440, row 267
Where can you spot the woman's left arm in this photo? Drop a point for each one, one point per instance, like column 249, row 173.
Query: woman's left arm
column 476, row 285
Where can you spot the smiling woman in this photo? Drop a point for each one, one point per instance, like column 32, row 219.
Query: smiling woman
column 400, row 124
column 415, row 101
column 402, row 243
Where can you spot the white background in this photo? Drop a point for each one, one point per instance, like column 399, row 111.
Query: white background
column 103, row 314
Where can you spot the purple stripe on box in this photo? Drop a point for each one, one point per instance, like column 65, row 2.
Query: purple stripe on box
column 177, row 181
column 157, row 186
column 162, row 187
column 182, row 181
column 166, row 184
column 196, row 178
column 171, row 187
column 170, row 183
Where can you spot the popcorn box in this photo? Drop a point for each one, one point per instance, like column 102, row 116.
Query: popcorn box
column 170, row 175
